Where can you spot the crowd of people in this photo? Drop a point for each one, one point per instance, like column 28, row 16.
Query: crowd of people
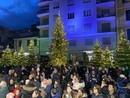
column 64, row 82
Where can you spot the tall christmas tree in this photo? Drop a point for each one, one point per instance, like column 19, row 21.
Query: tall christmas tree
column 7, row 56
column 122, row 53
column 97, row 55
column 58, row 53
column 106, row 58
column 15, row 60
column 32, row 57
column 22, row 58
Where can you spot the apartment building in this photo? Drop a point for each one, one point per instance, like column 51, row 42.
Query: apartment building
column 123, row 16
column 84, row 21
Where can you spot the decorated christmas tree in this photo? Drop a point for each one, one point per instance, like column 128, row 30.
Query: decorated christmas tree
column 32, row 57
column 106, row 58
column 58, row 49
column 22, row 58
column 15, row 60
column 97, row 55
column 7, row 56
column 122, row 53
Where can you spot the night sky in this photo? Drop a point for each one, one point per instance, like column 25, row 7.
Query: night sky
column 18, row 14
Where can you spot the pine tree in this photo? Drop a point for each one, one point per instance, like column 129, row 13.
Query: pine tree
column 122, row 53
column 85, row 58
column 15, row 60
column 97, row 55
column 7, row 56
column 32, row 57
column 58, row 53
column 106, row 58
column 22, row 58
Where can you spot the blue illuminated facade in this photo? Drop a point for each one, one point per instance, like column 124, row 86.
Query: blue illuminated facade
column 84, row 21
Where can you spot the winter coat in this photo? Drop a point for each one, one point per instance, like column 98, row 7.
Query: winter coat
column 3, row 92
column 26, row 92
column 99, row 96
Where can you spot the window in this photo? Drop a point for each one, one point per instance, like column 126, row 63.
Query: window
column 71, row 28
column 55, row 17
column 105, row 13
column 127, row 15
column 89, row 42
column 106, row 41
column 128, row 34
column 70, row 2
column 106, row 27
column 20, row 43
column 87, row 27
column 28, row 42
column 86, row 1
column 45, row 33
column 70, row 15
column 72, row 43
column 87, row 13
column 55, row 5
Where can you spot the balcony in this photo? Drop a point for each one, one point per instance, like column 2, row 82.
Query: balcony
column 106, row 14
column 43, row 2
column 43, row 26
column 105, row 3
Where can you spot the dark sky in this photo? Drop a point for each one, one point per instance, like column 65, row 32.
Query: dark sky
column 18, row 14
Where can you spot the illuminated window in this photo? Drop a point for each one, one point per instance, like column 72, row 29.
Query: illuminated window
column 86, row 1
column 127, row 15
column 20, row 43
column 70, row 15
column 87, row 27
column 70, row 2
column 87, row 13
column 72, row 43
column 106, row 41
column 55, row 5
column 89, row 42
column 71, row 28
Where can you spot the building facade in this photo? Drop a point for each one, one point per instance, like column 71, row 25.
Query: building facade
column 123, row 16
column 84, row 21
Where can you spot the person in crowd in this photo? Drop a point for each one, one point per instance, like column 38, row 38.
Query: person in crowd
column 55, row 75
column 57, row 86
column 11, row 85
column 3, row 89
column 112, row 91
column 81, row 93
column 76, row 82
column 68, row 93
column 47, row 85
column 93, row 78
column 104, row 87
column 97, row 92
column 36, row 94
column 28, row 89
column 54, row 93
column 121, row 84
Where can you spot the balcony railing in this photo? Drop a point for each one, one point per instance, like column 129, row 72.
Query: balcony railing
column 43, row 11
column 44, row 0
column 103, row 1
column 105, row 15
